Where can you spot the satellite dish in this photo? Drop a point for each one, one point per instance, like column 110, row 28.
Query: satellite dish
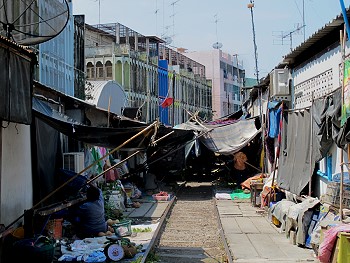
column 167, row 40
column 217, row 45
column 30, row 22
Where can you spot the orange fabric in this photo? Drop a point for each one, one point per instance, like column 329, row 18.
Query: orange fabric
column 246, row 183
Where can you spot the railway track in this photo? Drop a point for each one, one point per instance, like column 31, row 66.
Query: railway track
column 192, row 230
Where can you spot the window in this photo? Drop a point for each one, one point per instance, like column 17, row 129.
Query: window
column 99, row 70
column 108, row 66
column 90, row 71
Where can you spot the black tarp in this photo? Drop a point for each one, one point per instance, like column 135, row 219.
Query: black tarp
column 109, row 137
column 97, row 136
column 16, row 86
column 326, row 112
column 47, row 159
column 49, row 123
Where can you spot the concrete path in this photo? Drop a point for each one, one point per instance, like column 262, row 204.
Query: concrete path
column 252, row 238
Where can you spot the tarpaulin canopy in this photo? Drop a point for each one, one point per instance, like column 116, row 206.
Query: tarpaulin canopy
column 104, row 136
column 225, row 139
column 97, row 136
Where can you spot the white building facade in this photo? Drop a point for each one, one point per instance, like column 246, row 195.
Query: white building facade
column 227, row 74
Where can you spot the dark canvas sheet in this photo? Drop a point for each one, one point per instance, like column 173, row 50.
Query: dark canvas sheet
column 326, row 113
column 107, row 137
column 294, row 162
column 16, row 87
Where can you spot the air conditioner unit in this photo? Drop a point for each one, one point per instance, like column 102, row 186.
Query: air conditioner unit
column 279, row 82
column 73, row 161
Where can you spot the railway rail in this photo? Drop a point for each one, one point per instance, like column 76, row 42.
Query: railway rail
column 191, row 230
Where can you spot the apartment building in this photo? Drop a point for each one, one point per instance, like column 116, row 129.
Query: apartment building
column 159, row 82
column 227, row 75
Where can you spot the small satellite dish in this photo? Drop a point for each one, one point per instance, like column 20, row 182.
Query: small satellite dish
column 31, row 22
column 217, row 45
column 167, row 40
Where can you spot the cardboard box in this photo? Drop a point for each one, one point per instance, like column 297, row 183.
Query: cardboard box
column 325, row 225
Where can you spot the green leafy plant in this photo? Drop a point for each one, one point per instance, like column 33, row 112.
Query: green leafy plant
column 141, row 230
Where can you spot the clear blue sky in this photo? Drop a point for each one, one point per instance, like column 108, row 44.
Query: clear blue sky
column 197, row 24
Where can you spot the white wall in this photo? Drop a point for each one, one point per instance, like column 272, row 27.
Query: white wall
column 16, row 172
column 320, row 76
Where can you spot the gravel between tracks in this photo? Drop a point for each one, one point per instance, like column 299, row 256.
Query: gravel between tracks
column 191, row 233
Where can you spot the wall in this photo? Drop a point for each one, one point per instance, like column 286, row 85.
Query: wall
column 56, row 60
column 223, row 101
column 319, row 76
column 16, row 171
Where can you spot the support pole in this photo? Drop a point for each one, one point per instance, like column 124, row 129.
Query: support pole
column 84, row 170
column 311, row 144
column 342, row 44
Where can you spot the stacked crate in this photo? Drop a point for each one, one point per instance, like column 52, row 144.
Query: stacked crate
column 332, row 195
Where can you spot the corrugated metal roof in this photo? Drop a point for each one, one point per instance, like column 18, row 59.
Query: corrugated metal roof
column 324, row 38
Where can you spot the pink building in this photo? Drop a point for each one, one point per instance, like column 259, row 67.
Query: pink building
column 227, row 75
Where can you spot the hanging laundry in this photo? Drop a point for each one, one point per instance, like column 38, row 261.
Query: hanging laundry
column 274, row 118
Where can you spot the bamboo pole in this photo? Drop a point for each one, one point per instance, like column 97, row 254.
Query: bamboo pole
column 124, row 160
column 342, row 44
column 311, row 144
column 111, row 167
column 84, row 170
column 109, row 110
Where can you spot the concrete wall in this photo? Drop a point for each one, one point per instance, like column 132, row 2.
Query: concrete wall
column 320, row 76
column 16, row 171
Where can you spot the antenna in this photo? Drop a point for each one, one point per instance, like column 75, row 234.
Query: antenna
column 283, row 35
column 156, row 13
column 33, row 22
column 173, row 15
column 99, row 11
column 217, row 44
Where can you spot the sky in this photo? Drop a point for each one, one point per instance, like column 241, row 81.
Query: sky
column 196, row 25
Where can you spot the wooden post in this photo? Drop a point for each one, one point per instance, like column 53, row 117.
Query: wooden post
column 342, row 44
column 311, row 144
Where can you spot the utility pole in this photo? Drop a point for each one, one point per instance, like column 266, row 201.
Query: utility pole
column 250, row 6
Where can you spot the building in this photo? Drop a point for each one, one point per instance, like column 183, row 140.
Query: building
column 159, row 82
column 56, row 57
column 227, row 76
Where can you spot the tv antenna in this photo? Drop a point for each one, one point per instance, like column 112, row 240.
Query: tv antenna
column 217, row 44
column 156, row 13
column 34, row 22
column 289, row 35
column 99, row 11
column 173, row 15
